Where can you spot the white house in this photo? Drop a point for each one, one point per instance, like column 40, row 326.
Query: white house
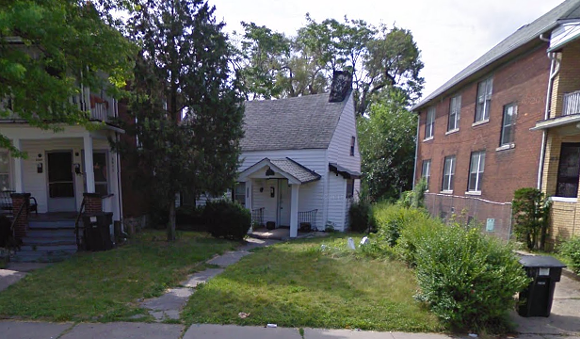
column 62, row 166
column 300, row 159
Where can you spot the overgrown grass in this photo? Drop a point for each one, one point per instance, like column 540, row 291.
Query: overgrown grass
column 296, row 284
column 105, row 286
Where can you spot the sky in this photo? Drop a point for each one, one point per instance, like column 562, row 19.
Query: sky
column 450, row 33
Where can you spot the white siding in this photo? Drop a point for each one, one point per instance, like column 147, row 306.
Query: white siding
column 336, row 201
column 311, row 195
column 339, row 152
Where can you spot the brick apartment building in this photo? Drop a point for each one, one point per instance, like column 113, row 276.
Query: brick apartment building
column 485, row 132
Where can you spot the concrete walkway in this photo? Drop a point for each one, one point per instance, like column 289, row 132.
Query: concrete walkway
column 169, row 305
column 16, row 271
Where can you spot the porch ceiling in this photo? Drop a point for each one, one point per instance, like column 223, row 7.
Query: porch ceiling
column 288, row 168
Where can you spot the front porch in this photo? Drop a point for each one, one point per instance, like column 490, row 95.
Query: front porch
column 281, row 194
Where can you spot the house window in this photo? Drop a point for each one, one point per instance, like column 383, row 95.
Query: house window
column 426, row 171
column 430, row 123
column 476, row 171
column 352, row 144
column 240, row 193
column 349, row 188
column 484, row 90
column 100, row 173
column 568, row 171
column 4, row 171
column 508, row 124
column 454, row 110
column 448, row 173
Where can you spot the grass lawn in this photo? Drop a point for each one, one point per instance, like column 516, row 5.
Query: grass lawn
column 295, row 284
column 105, row 286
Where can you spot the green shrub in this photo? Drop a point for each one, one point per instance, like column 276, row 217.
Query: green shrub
column 468, row 279
column 360, row 216
column 190, row 218
column 226, row 219
column 416, row 197
column 571, row 250
column 531, row 210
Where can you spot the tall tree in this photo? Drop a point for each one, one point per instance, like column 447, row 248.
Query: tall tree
column 381, row 59
column 387, row 146
column 48, row 50
column 186, row 104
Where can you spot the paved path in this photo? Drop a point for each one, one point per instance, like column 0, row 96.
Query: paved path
column 169, row 305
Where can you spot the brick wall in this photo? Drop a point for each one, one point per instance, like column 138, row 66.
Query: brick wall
column 523, row 81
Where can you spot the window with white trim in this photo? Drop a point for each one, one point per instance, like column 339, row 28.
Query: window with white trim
column 430, row 123
column 483, row 104
column 508, row 124
column 476, row 171
column 448, row 173
column 240, row 193
column 350, row 188
column 426, row 171
column 568, row 170
column 4, row 172
column 454, row 112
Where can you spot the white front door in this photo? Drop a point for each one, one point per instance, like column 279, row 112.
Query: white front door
column 284, row 198
column 61, row 185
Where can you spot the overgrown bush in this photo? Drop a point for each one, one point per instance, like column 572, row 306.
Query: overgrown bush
column 190, row 218
column 414, row 198
column 226, row 219
column 360, row 216
column 468, row 279
column 571, row 250
column 531, row 210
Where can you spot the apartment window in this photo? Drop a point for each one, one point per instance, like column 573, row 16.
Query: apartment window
column 352, row 144
column 454, row 110
column 426, row 171
column 350, row 188
column 568, row 171
column 448, row 173
column 476, row 171
column 508, row 124
column 4, row 171
column 430, row 123
column 484, row 90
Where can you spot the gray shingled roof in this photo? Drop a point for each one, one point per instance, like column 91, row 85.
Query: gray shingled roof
column 298, row 171
column 306, row 122
column 568, row 9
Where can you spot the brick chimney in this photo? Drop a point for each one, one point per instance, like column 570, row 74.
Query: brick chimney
column 340, row 87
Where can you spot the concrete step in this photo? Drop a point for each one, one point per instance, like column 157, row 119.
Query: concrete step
column 48, row 248
column 43, row 257
column 40, row 241
column 50, row 233
column 51, row 225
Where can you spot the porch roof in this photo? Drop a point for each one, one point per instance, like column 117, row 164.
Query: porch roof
column 295, row 172
column 557, row 122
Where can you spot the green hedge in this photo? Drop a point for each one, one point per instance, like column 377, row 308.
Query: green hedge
column 571, row 250
column 466, row 278
column 361, row 216
column 226, row 219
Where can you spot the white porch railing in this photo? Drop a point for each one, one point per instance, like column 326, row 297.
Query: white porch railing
column 100, row 111
column 571, row 103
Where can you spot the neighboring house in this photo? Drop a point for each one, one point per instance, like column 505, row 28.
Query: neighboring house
column 300, row 159
column 475, row 145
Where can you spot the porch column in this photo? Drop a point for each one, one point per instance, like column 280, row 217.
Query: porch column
column 294, row 211
column 89, row 172
column 248, row 194
column 18, row 180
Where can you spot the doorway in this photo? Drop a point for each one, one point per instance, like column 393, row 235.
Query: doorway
column 61, row 185
column 284, row 199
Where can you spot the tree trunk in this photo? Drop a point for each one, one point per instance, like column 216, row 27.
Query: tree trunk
column 171, row 224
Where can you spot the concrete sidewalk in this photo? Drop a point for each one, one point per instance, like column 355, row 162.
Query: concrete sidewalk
column 33, row 330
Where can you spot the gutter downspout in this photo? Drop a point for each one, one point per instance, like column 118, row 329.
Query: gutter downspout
column 416, row 150
column 554, row 70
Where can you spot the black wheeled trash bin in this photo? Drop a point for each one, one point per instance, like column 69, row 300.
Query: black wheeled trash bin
column 97, row 235
column 536, row 299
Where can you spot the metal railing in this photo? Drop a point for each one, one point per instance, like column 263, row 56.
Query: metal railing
column 571, row 104
column 258, row 216
column 77, row 227
column 308, row 217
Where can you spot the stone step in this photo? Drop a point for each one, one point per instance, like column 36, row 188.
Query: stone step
column 49, row 225
column 40, row 241
column 48, row 248
column 50, row 233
